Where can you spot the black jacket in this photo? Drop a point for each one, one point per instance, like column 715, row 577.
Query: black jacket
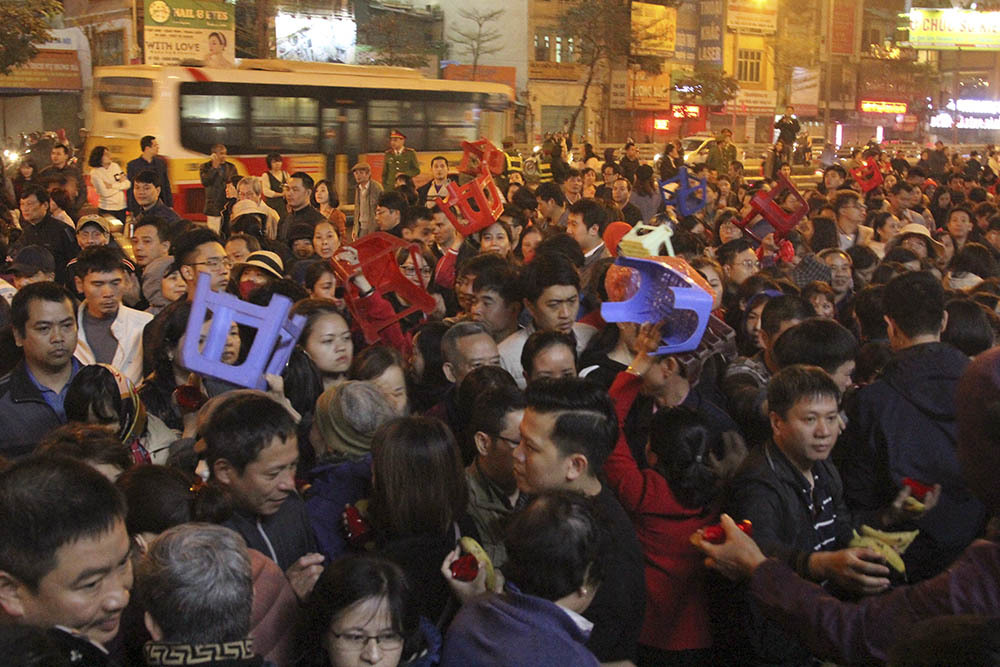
column 159, row 167
column 903, row 425
column 215, row 179
column 25, row 417
column 425, row 189
column 289, row 535
column 765, row 490
column 54, row 235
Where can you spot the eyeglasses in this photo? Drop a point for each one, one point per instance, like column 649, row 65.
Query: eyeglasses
column 749, row 264
column 409, row 271
column 357, row 641
column 513, row 443
column 215, row 263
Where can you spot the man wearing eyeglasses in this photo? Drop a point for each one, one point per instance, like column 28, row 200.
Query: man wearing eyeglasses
column 739, row 261
column 494, row 426
column 851, row 212
column 200, row 251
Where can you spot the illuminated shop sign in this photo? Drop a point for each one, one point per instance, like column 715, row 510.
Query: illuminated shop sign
column 982, row 107
column 875, row 106
column 661, row 123
column 686, row 110
column 945, row 120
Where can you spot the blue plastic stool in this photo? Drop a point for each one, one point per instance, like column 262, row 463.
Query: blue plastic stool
column 668, row 295
column 272, row 346
column 685, row 198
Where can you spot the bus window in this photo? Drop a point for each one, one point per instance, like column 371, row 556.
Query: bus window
column 451, row 123
column 284, row 123
column 124, row 94
column 406, row 116
column 213, row 119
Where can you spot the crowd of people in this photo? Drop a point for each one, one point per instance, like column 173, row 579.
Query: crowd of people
column 620, row 505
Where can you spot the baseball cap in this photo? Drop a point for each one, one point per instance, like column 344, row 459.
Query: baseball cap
column 98, row 220
column 244, row 206
column 31, row 259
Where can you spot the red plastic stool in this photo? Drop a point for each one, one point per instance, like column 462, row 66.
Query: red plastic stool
column 478, row 153
column 377, row 260
column 478, row 201
column 869, row 176
column 779, row 219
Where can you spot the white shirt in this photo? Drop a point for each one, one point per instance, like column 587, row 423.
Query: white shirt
column 512, row 346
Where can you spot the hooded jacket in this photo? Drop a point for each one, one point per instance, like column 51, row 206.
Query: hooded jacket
column 903, row 425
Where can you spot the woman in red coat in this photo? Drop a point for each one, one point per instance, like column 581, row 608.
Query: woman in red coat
column 667, row 501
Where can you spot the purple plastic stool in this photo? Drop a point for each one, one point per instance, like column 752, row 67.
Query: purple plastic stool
column 666, row 294
column 685, row 198
column 272, row 346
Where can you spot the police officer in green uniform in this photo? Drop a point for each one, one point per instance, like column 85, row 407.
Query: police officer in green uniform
column 398, row 160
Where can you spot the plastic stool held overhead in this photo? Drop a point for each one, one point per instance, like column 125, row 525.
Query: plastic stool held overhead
column 781, row 222
column 686, row 199
column 477, row 154
column 647, row 241
column 377, row 261
column 868, row 176
column 272, row 346
column 669, row 292
column 478, row 201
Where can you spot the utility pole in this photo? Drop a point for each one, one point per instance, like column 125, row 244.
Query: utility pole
column 827, row 20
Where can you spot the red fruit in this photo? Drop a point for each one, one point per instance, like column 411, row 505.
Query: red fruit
column 356, row 526
column 917, row 489
column 465, row 568
column 716, row 535
column 189, row 397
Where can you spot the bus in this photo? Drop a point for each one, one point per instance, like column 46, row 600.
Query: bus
column 322, row 118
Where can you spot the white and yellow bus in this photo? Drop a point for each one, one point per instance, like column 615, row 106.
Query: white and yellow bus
column 322, row 118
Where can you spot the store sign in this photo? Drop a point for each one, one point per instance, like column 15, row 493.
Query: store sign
column 843, row 27
column 983, row 107
column 686, row 48
column 686, row 110
column 552, row 71
column 50, row 70
column 753, row 16
column 945, row 120
column 954, row 29
column 805, row 91
column 649, row 91
column 654, row 27
column 874, row 106
column 710, row 32
column 752, row 102
column 317, row 39
column 505, row 75
column 198, row 31
column 661, row 123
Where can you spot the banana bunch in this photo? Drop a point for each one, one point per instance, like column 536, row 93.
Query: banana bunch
column 888, row 545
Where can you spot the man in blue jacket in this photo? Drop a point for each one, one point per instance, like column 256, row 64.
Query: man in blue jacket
column 32, row 395
column 903, row 425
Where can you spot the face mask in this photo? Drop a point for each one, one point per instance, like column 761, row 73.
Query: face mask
column 247, row 286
